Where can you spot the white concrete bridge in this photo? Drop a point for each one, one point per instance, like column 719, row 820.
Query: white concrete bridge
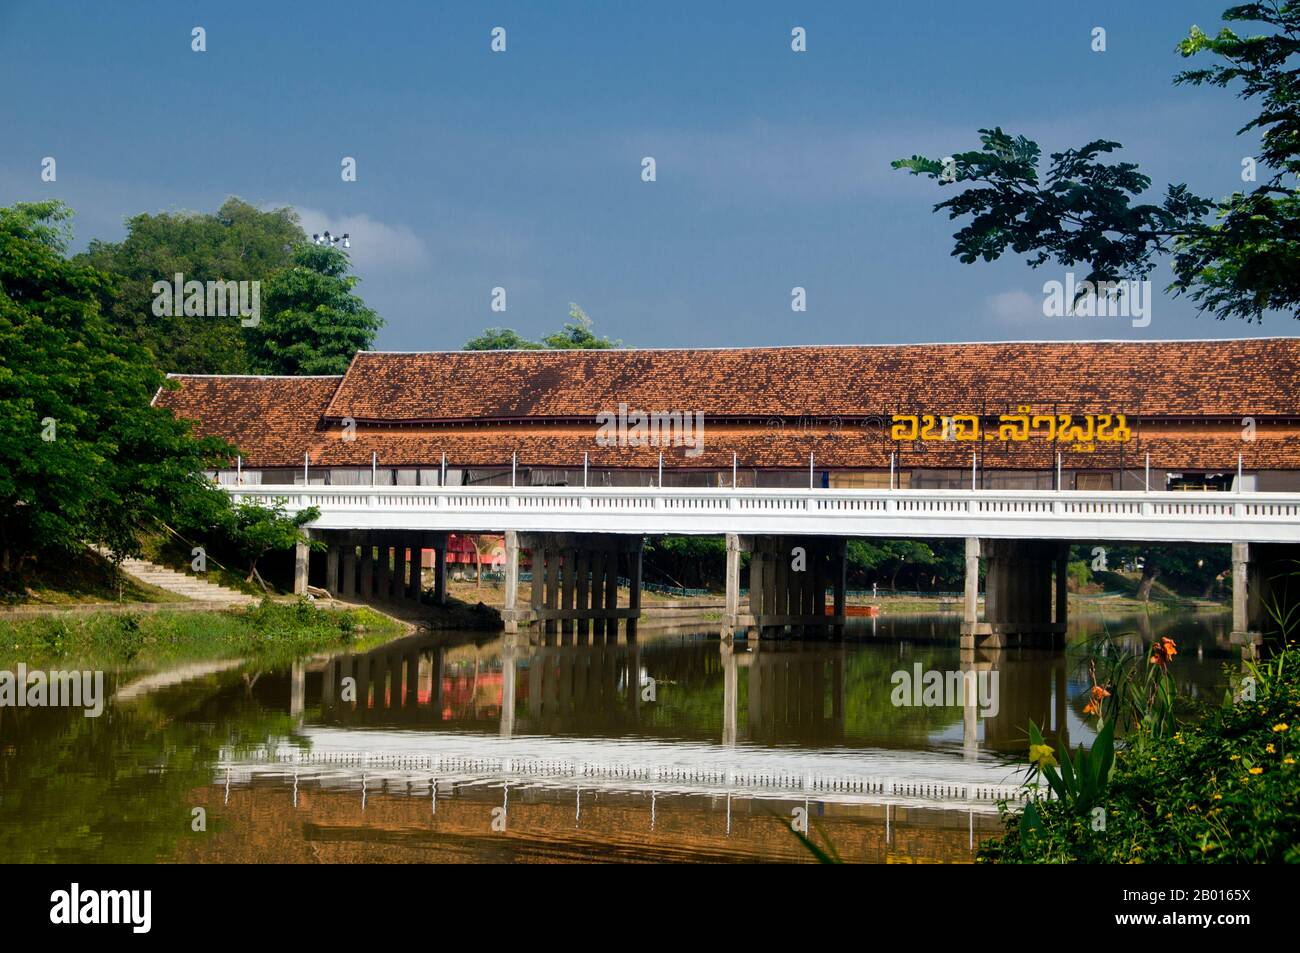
column 583, row 539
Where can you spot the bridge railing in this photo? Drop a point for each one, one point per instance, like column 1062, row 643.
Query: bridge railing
column 1060, row 514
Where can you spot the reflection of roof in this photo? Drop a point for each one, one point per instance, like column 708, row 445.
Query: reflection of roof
column 770, row 406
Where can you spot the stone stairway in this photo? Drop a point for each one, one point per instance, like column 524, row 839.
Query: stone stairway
column 191, row 587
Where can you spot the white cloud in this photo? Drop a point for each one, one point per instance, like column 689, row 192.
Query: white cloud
column 1014, row 307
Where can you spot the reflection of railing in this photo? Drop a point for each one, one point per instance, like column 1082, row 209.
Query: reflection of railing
column 1025, row 514
column 871, row 776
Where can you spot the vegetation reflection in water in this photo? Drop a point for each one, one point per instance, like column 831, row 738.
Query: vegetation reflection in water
column 124, row 787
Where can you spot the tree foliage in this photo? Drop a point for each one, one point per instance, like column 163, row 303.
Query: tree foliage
column 577, row 334
column 1244, row 262
column 84, row 457
column 313, row 323
column 238, row 243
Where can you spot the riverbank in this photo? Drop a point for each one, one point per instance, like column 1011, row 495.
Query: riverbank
column 165, row 635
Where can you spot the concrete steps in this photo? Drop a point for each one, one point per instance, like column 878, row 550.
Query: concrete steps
column 190, row 587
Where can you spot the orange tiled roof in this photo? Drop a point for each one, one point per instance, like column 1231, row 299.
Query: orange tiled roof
column 412, row 408
column 1251, row 376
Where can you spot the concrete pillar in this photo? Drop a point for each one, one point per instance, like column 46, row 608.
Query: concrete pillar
column 440, row 572
column 840, row 580
column 732, row 585
column 634, row 586
column 301, row 561
column 398, row 586
column 332, row 569
column 537, row 557
column 611, row 595
column 349, row 568
column 1062, row 585
column 552, row 591
column 583, row 600
column 511, row 613
column 416, row 583
column 367, row 570
column 568, row 581
column 597, row 591
column 1244, row 628
column 382, row 580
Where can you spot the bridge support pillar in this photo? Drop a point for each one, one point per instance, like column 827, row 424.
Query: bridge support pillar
column 510, row 614
column 416, row 583
column 1265, row 595
column 332, row 568
column 382, row 581
column 1023, row 579
column 440, row 571
column 367, row 570
column 788, row 576
column 399, row 571
column 574, row 582
column 301, row 562
column 348, row 569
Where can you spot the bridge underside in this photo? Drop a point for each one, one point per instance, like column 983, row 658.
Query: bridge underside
column 793, row 585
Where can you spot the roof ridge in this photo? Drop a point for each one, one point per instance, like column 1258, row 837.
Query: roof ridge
column 794, row 347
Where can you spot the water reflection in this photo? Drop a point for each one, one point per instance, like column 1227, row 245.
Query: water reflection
column 672, row 746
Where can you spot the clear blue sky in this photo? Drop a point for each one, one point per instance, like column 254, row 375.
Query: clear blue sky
column 522, row 169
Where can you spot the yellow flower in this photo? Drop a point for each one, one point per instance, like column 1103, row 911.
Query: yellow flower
column 1288, row 760
column 1256, row 770
column 1041, row 755
column 1270, row 749
column 1281, row 726
column 1235, row 757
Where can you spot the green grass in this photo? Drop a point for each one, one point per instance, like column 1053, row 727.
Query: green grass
column 143, row 640
column 71, row 580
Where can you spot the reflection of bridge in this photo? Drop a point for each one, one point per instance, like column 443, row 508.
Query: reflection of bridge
column 344, row 757
column 602, row 696
column 582, row 540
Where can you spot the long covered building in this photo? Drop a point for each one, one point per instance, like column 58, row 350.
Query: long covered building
column 1191, row 415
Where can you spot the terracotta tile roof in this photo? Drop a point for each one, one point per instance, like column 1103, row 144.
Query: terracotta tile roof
column 1251, row 376
column 275, row 420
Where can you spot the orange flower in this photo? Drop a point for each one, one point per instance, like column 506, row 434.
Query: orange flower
column 1163, row 651
column 1094, row 704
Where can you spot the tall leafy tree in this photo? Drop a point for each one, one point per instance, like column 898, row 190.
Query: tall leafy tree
column 83, row 455
column 238, row 243
column 1241, row 263
column 312, row 322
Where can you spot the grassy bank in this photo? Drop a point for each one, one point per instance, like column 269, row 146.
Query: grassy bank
column 268, row 630
column 84, row 577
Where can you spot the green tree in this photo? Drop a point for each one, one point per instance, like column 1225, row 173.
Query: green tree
column 238, row 243
column 84, row 457
column 255, row 529
column 312, row 323
column 577, row 334
column 500, row 339
column 1243, row 263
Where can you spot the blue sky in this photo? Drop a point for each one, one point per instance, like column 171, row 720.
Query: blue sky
column 522, row 169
